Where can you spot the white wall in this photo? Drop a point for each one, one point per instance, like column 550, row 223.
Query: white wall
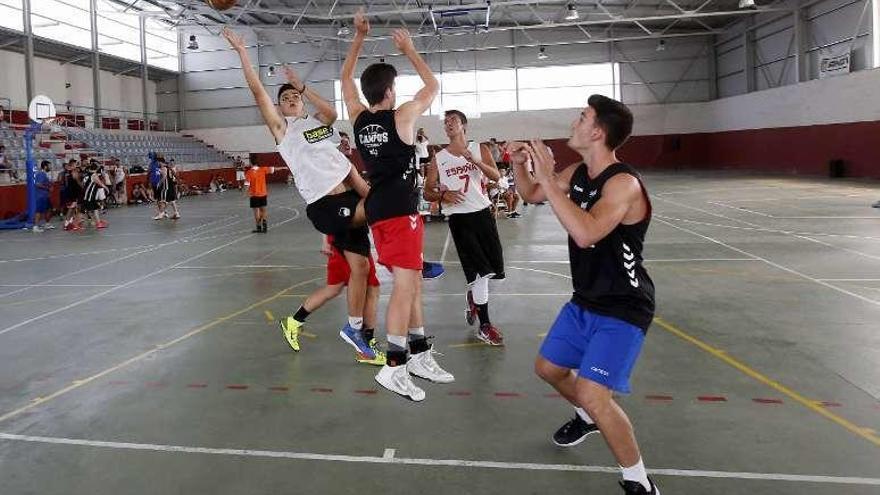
column 850, row 98
column 117, row 92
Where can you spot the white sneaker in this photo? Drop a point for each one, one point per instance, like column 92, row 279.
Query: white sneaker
column 397, row 380
column 160, row 216
column 424, row 366
column 37, row 228
column 49, row 226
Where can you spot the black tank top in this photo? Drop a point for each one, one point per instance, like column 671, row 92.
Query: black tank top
column 608, row 277
column 391, row 167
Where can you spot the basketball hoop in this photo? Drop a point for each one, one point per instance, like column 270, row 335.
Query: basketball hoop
column 41, row 109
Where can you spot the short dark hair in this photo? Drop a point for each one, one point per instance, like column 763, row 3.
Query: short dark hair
column 459, row 113
column 284, row 87
column 45, row 163
column 614, row 118
column 377, row 79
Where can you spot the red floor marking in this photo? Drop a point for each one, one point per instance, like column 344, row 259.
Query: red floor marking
column 767, row 401
column 366, row 392
column 197, row 385
column 830, row 404
column 237, row 387
column 659, row 397
column 279, row 389
column 553, row 396
column 712, row 398
column 157, row 384
column 507, row 394
column 460, row 394
column 323, row 390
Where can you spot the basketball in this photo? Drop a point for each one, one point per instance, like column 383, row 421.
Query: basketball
column 221, row 4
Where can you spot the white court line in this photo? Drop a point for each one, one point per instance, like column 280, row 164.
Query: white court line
column 220, row 267
column 59, row 285
column 816, row 241
column 767, row 229
column 68, row 255
column 99, row 265
column 849, row 279
column 659, row 260
column 445, row 246
column 776, row 265
column 388, row 457
column 134, row 281
column 815, row 217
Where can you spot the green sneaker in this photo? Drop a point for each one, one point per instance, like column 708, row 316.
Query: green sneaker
column 290, row 328
column 379, row 360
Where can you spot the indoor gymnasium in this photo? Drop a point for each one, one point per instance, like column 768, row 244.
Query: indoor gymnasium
column 402, row 246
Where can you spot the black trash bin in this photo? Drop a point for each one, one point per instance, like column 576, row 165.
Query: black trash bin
column 836, row 169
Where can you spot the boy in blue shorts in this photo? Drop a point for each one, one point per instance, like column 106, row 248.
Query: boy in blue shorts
column 605, row 209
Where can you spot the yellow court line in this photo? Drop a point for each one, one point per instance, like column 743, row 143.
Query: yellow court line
column 269, row 316
column 809, row 404
column 79, row 383
column 307, row 334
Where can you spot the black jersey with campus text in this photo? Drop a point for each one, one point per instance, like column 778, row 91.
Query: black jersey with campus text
column 609, row 277
column 391, row 167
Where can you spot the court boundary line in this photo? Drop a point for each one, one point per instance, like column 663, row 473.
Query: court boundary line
column 202, row 328
column 752, row 373
column 133, row 281
column 389, row 457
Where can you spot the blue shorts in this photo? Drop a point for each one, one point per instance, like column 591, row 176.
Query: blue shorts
column 43, row 205
column 603, row 349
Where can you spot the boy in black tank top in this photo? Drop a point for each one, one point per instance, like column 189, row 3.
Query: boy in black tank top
column 385, row 136
column 605, row 209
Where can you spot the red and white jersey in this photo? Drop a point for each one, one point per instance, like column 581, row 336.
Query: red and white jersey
column 458, row 174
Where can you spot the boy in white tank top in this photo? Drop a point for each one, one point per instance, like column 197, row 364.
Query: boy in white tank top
column 457, row 178
column 331, row 187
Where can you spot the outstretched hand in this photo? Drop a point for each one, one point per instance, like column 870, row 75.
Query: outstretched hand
column 403, row 41
column 293, row 78
column 542, row 160
column 361, row 24
column 235, row 40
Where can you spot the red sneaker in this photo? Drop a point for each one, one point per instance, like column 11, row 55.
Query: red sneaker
column 470, row 314
column 490, row 335
column 101, row 225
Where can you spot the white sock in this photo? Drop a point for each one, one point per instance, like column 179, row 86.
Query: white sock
column 356, row 322
column 417, row 332
column 480, row 290
column 583, row 414
column 398, row 340
column 637, row 473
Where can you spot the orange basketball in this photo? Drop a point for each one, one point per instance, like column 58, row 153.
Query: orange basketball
column 221, row 4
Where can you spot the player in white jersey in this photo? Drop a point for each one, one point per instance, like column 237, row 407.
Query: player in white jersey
column 331, row 187
column 457, row 178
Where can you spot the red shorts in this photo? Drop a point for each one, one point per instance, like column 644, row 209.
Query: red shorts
column 338, row 271
column 399, row 241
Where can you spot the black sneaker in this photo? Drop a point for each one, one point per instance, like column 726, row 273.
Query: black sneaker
column 265, row 226
column 574, row 432
column 636, row 488
column 258, row 230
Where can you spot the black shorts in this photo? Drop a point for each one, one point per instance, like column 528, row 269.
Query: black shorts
column 333, row 214
column 90, row 205
column 424, row 161
column 477, row 243
column 166, row 193
column 259, row 201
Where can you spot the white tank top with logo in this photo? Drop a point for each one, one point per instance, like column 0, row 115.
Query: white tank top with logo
column 309, row 149
column 458, row 174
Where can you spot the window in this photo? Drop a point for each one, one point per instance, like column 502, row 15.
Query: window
column 11, row 15
column 495, row 90
column 66, row 21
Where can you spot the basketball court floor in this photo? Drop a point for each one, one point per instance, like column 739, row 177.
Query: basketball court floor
column 146, row 358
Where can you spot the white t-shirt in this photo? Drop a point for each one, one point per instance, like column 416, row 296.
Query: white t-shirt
column 458, row 174
column 312, row 156
column 422, row 149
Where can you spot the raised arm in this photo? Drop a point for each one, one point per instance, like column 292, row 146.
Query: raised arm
column 276, row 124
column 526, row 185
column 324, row 110
column 484, row 162
column 350, row 92
column 407, row 113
